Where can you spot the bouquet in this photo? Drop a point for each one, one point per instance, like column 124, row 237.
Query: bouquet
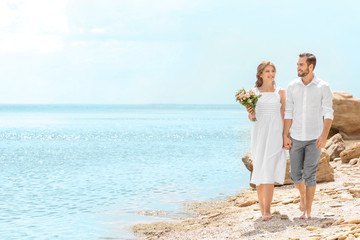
column 248, row 99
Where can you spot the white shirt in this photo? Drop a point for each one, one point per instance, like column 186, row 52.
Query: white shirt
column 308, row 106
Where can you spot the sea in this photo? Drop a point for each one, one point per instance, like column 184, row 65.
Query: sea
column 93, row 171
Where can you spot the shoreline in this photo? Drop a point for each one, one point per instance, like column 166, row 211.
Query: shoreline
column 335, row 214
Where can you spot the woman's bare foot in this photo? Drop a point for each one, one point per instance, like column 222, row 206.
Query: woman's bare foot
column 266, row 217
column 303, row 216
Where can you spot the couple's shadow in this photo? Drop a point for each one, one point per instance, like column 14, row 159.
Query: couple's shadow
column 281, row 222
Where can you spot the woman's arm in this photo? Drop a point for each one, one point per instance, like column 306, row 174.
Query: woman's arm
column 283, row 103
column 250, row 110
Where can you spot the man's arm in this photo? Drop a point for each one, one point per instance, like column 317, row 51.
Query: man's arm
column 321, row 141
column 328, row 113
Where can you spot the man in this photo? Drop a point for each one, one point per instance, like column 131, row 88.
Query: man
column 308, row 118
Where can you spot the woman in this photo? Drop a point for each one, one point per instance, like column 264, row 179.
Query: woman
column 269, row 159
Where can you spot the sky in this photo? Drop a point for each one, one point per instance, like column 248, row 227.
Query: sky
column 168, row 52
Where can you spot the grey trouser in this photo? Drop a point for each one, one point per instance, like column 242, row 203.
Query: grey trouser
column 304, row 161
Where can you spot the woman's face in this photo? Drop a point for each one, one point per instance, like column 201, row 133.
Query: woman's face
column 268, row 74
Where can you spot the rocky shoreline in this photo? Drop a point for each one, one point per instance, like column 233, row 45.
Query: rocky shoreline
column 335, row 211
column 336, row 214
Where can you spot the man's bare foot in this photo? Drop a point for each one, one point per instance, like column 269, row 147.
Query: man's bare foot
column 266, row 217
column 308, row 217
column 303, row 216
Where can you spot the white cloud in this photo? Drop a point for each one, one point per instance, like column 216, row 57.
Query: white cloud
column 79, row 43
column 18, row 42
column 98, row 30
column 32, row 25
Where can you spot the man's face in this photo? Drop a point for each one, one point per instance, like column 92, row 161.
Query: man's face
column 302, row 67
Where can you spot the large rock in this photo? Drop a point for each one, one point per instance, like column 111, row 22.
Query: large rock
column 346, row 115
column 247, row 160
column 353, row 151
column 334, row 146
column 325, row 172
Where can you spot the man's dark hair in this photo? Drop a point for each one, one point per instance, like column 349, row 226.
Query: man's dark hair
column 310, row 58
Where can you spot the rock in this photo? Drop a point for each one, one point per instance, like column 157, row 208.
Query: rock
column 355, row 192
column 336, row 205
column 356, row 221
column 244, row 202
column 325, row 172
column 354, row 161
column 287, row 201
column 337, row 237
column 334, row 146
column 339, row 221
column 247, row 160
column 312, row 228
column 351, row 152
column 346, row 115
column 329, row 214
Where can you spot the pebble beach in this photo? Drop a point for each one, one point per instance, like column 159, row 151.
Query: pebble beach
column 335, row 214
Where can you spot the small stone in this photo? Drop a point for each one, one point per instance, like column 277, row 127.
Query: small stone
column 336, row 237
column 312, row 228
column 245, row 202
column 336, row 205
column 353, row 161
column 356, row 221
column 287, row 201
column 326, row 224
column 339, row 221
column 329, row 214
column 355, row 190
column 284, row 217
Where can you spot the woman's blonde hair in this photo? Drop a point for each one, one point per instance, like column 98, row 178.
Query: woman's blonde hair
column 260, row 69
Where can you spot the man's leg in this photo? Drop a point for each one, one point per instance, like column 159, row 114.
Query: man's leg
column 311, row 163
column 302, row 191
column 297, row 153
column 310, row 192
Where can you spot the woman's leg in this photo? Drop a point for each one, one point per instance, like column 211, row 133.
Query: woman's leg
column 260, row 193
column 268, row 196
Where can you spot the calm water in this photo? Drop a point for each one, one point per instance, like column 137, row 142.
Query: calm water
column 84, row 171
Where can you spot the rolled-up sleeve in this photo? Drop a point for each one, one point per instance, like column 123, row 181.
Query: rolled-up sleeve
column 289, row 104
column 327, row 102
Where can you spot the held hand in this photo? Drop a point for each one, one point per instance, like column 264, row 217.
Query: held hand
column 321, row 142
column 249, row 110
column 287, row 144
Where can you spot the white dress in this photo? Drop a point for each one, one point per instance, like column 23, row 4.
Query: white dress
column 269, row 159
